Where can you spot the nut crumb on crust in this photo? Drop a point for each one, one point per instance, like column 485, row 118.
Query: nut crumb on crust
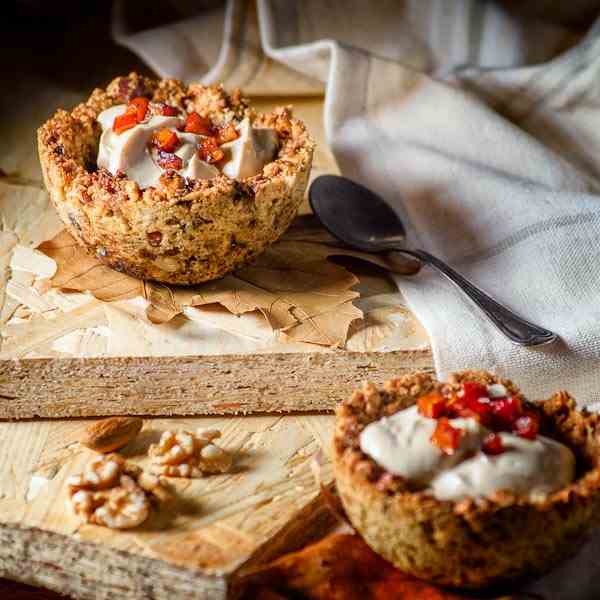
column 185, row 454
column 181, row 230
column 112, row 493
column 471, row 543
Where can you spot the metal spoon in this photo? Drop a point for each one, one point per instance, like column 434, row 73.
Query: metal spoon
column 362, row 219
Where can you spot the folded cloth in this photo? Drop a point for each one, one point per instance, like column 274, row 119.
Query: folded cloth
column 479, row 124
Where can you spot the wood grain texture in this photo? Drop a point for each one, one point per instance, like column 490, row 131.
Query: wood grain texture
column 194, row 548
column 228, row 384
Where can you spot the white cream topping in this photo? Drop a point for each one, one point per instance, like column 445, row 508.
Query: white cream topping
column 250, row 152
column 497, row 390
column 533, row 468
column 131, row 152
column 402, row 445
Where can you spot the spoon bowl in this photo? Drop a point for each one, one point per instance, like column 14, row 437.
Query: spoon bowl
column 355, row 215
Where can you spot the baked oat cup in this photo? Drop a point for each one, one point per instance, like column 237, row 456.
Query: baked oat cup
column 181, row 230
column 468, row 543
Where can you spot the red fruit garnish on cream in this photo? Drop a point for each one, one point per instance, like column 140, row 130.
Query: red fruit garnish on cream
column 491, row 406
column 506, row 411
column 166, row 110
column 165, row 140
column 492, row 444
column 134, row 113
column 194, row 123
column 140, row 107
column 527, row 426
column 124, row 122
column 432, row 405
column 446, row 437
column 209, row 151
column 472, row 391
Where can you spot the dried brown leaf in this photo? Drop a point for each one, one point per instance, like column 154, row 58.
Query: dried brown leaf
column 77, row 271
column 303, row 296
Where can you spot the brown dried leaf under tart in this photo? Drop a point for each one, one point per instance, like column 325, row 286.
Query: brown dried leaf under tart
column 81, row 272
column 303, row 296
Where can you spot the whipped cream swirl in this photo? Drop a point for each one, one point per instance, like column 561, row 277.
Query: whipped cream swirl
column 402, row 445
column 131, row 152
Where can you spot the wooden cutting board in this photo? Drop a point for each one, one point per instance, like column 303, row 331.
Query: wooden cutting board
column 218, row 525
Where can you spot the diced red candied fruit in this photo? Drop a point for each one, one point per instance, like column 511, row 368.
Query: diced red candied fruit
column 165, row 140
column 492, row 444
column 506, row 411
column 194, row 123
column 446, row 437
column 528, row 425
column 124, row 122
column 139, row 106
column 472, row 391
column 169, row 161
column 225, row 134
column 432, row 405
column 166, row 110
column 472, row 403
column 134, row 113
column 209, row 151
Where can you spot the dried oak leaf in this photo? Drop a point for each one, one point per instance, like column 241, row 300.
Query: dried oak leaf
column 342, row 566
column 78, row 271
column 303, row 296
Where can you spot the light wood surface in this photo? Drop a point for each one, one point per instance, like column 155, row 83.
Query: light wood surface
column 193, row 549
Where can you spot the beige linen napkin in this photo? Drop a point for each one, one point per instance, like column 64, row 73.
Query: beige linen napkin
column 479, row 124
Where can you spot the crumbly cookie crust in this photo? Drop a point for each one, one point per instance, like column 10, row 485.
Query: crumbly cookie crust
column 181, row 231
column 470, row 543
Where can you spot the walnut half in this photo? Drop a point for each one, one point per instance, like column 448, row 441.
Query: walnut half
column 185, row 454
column 112, row 493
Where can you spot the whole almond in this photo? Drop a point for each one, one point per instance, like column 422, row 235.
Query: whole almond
column 111, row 434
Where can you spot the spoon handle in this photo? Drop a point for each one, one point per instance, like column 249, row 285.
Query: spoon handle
column 515, row 328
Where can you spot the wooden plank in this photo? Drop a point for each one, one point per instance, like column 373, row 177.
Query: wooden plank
column 268, row 504
column 228, row 384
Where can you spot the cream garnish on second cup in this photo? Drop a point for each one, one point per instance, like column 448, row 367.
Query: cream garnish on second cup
column 498, row 448
column 162, row 139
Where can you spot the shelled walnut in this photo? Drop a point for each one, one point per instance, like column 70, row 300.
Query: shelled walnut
column 185, row 454
column 113, row 493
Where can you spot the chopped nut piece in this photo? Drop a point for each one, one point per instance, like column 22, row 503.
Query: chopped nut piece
column 184, row 454
column 112, row 493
